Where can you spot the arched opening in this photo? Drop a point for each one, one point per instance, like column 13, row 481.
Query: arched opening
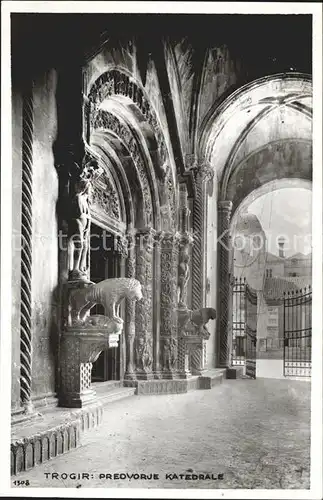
column 258, row 140
column 138, row 203
column 272, row 254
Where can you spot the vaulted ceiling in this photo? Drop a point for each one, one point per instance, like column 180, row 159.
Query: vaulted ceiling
column 198, row 62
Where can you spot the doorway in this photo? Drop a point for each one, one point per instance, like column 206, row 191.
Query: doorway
column 104, row 263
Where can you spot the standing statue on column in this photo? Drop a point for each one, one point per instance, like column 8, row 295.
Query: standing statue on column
column 183, row 274
column 79, row 224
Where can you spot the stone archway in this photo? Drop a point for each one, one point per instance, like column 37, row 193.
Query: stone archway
column 261, row 133
column 121, row 125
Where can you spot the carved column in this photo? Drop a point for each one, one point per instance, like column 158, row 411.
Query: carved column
column 204, row 174
column 26, row 253
column 223, row 312
column 185, row 241
column 144, row 308
column 130, row 326
column 168, row 303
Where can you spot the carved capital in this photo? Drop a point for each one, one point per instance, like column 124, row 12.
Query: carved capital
column 205, row 172
column 225, row 206
column 191, row 161
column 169, row 240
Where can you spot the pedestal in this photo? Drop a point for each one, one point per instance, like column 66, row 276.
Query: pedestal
column 80, row 347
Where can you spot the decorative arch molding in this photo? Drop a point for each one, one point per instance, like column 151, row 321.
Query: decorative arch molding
column 128, row 93
column 115, row 162
column 115, row 82
column 104, row 120
column 290, row 158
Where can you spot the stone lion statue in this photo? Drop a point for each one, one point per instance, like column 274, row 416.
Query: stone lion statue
column 109, row 293
column 195, row 321
column 201, row 317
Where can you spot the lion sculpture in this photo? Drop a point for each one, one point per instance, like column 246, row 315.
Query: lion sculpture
column 109, row 293
column 195, row 321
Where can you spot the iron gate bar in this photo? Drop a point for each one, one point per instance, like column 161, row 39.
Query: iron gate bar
column 298, row 332
column 251, row 330
column 238, row 323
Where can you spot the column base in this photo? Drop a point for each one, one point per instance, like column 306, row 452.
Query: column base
column 169, row 375
column 141, row 375
column 234, row 373
column 186, row 374
column 130, row 376
column 77, row 400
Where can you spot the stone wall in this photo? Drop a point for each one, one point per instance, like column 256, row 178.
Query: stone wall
column 16, row 244
column 45, row 246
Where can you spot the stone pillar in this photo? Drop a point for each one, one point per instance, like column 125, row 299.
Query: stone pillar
column 204, row 174
column 144, row 307
column 168, row 303
column 224, row 292
column 26, row 253
column 156, row 306
column 130, row 326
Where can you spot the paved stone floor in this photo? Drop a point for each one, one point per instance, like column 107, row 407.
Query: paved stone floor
column 254, row 432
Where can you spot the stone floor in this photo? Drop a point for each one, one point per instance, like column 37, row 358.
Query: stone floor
column 254, row 432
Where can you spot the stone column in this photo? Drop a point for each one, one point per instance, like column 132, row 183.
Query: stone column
column 224, row 292
column 26, row 253
column 156, row 306
column 130, row 326
column 204, row 174
column 144, row 307
column 168, row 303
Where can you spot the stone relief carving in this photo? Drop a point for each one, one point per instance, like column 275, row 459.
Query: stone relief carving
column 109, row 293
column 184, row 269
column 169, row 354
column 144, row 358
column 168, row 297
column 107, row 121
column 105, row 196
column 115, row 82
column 144, row 308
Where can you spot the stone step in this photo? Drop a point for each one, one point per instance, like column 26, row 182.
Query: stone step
column 114, row 394
column 55, row 432
column 211, row 378
column 102, row 387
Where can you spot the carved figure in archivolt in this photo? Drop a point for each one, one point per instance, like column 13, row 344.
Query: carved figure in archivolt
column 79, row 222
column 109, row 293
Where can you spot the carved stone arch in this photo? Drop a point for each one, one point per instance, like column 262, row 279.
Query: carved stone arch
column 110, row 148
column 116, row 189
column 104, row 121
column 122, row 87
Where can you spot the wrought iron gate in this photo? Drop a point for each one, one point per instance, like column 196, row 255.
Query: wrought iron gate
column 238, row 322
column 244, row 326
column 251, row 331
column 298, row 333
